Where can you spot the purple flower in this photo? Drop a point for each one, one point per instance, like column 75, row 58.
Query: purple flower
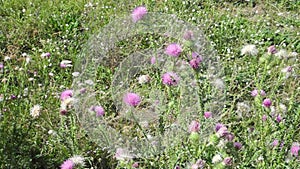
column 177, row 167
column 170, row 79
column 188, row 35
column 237, row 145
column 63, row 111
column 267, row 103
column 138, row 13
column 254, row 93
column 1, row 66
column 262, row 93
column 135, row 165
column 153, row 60
column 218, row 126
column 264, row 117
column 173, row 50
column 194, row 126
column 278, row 118
column 275, row 143
column 13, row 97
column 68, row 164
column 43, row 55
column 227, row 161
column 82, row 90
column 272, row 49
column 195, row 62
column 229, row 136
column 99, row 110
column 295, row 149
column 223, row 131
column 132, row 99
column 200, row 163
column 207, row 114
column 66, row 94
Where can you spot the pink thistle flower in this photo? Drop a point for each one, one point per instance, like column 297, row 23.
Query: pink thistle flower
column 264, row 117
column 132, row 99
column 195, row 62
column 194, row 126
column 82, row 90
column 135, row 165
column 207, row 114
column 237, row 145
column 254, row 93
column 262, row 93
column 275, row 143
column 272, row 49
column 278, row 118
column 223, row 131
column 188, row 35
column 227, row 161
column 295, row 149
column 153, row 60
column 173, row 50
column 99, row 110
column 229, row 136
column 66, row 94
column 218, row 126
column 138, row 13
column 68, row 164
column 267, row 103
column 170, row 79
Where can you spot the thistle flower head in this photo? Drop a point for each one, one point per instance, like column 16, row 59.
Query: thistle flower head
column 267, row 103
column 173, row 50
column 272, row 49
column 138, row 13
column 170, row 79
column 68, row 164
column 194, row 126
column 66, row 94
column 132, row 99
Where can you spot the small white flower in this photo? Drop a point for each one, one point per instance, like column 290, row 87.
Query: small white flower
column 24, row 54
column 287, row 69
column 51, row 132
column 123, row 154
column 27, row 59
column 283, row 108
column 75, row 74
column 1, row 97
column 51, row 74
column 68, row 101
column 35, row 111
column 45, row 55
column 77, row 160
column 281, row 54
column 144, row 79
column 219, row 84
column 242, row 109
column 249, row 50
column 89, row 82
column 216, row 159
column 6, row 58
column 293, row 54
column 65, row 63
